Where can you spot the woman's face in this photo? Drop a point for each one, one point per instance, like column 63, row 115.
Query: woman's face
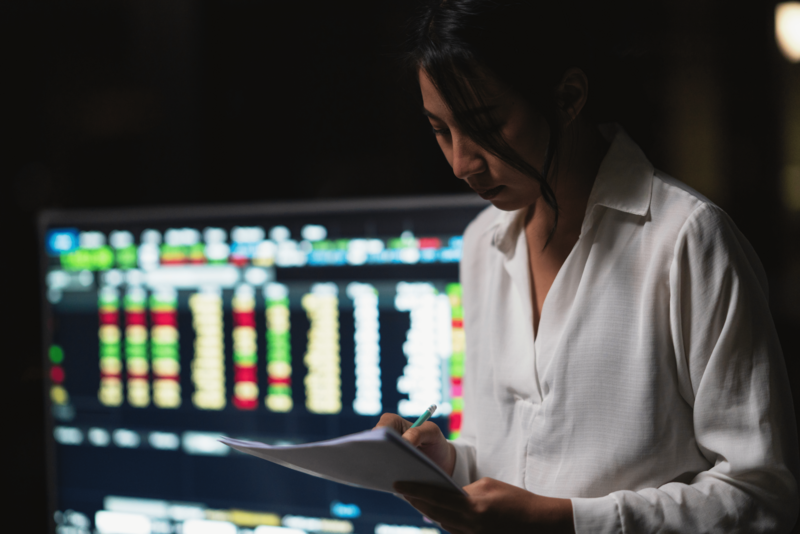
column 522, row 127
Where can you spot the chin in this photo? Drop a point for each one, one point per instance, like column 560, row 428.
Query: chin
column 510, row 204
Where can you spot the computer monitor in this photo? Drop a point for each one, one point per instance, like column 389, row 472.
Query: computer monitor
column 165, row 329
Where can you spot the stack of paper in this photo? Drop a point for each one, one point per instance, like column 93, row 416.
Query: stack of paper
column 373, row 459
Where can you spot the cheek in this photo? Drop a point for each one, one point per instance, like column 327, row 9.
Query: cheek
column 528, row 135
column 447, row 150
column 524, row 141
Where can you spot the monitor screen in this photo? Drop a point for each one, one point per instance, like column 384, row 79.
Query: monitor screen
column 165, row 329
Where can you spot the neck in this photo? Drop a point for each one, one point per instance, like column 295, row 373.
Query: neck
column 572, row 176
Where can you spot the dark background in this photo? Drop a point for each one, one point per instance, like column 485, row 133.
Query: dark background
column 129, row 103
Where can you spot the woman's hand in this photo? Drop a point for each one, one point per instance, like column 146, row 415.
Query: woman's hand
column 490, row 506
column 427, row 437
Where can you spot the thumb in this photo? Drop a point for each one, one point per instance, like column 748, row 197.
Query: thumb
column 413, row 436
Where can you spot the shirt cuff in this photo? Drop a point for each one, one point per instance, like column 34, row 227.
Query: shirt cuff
column 598, row 515
column 464, row 461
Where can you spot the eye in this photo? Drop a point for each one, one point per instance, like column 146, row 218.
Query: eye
column 440, row 131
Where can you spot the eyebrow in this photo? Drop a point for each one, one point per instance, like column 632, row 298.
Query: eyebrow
column 470, row 112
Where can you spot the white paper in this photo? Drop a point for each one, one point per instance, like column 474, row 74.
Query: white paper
column 373, row 459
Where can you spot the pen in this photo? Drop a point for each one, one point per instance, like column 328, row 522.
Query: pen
column 425, row 416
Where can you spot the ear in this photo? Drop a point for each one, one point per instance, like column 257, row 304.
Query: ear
column 571, row 93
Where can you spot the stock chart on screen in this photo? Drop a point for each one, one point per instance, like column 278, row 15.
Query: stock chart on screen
column 165, row 329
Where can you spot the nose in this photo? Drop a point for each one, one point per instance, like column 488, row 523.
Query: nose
column 467, row 158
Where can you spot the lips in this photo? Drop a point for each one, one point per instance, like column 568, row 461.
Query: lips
column 489, row 194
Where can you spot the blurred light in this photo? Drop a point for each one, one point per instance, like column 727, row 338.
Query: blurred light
column 244, row 291
column 203, row 526
column 99, row 437
column 314, row 232
column 367, row 350
column 203, row 443
column 194, row 276
column 787, row 29
column 265, row 250
column 279, row 233
column 67, row 435
column 289, row 254
column 127, row 439
column 148, row 256
column 217, row 251
column 325, row 288
column 215, row 235
column 339, row 509
column 119, row 523
column 247, row 234
column 164, row 441
column 277, row 530
column 113, row 277
column 357, row 251
column 58, row 279
column 92, row 240
column 276, row 291
column 257, row 276
column 121, row 239
column 409, row 255
column 85, row 278
column 134, row 278
column 130, row 505
column 315, row 524
column 77, row 519
column 151, row 236
column 181, row 236
column 183, row 512
column 248, row 518
column 62, row 240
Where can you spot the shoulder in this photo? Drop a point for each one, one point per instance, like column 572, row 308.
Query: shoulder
column 697, row 217
column 479, row 230
column 686, row 213
column 704, row 234
column 673, row 198
column 481, row 224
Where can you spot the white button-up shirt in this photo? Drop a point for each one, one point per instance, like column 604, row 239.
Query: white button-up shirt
column 654, row 394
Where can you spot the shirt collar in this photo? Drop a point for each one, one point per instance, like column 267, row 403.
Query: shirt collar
column 624, row 182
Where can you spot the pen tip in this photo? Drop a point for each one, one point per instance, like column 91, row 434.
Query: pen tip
column 432, row 408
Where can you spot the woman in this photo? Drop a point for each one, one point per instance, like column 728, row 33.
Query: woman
column 622, row 373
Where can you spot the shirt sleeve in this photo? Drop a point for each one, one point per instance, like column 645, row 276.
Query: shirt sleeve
column 731, row 371
column 465, row 469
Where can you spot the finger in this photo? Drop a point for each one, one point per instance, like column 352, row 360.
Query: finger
column 393, row 421
column 455, row 524
column 413, row 436
column 440, row 496
column 443, row 516
column 427, row 491
column 427, row 432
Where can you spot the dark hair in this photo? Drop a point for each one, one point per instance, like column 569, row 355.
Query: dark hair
column 526, row 45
